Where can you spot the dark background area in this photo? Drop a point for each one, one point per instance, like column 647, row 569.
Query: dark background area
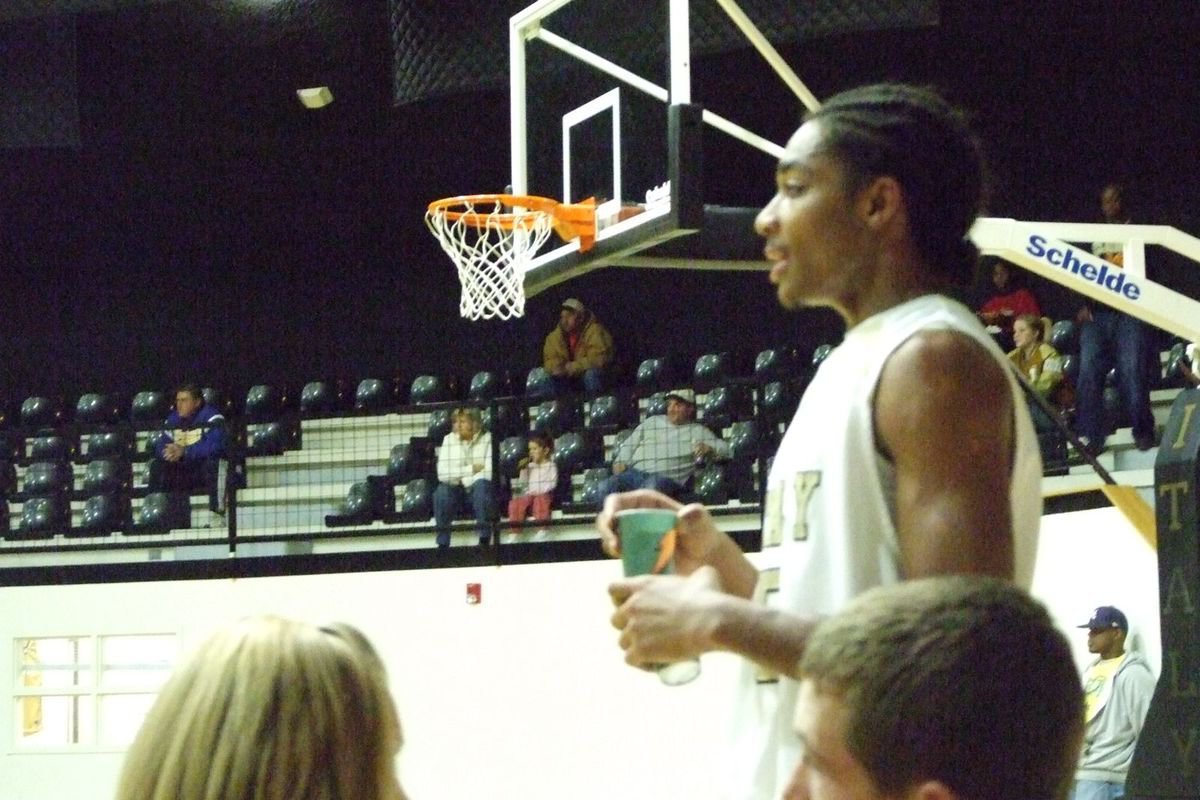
column 197, row 222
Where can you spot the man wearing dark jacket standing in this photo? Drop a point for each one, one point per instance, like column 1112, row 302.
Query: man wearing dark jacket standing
column 1117, row 689
column 578, row 350
column 188, row 452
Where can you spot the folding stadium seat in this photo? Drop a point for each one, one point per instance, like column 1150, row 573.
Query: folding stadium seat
column 1172, row 371
column 412, row 460
column 106, row 476
column 271, row 438
column 48, row 477
column 51, row 448
column 1064, row 336
column 216, row 399
column 97, row 409
column 103, row 514
column 589, row 494
column 656, row 405
column 372, row 395
column 512, row 450
column 505, row 419
column 41, row 412
column 402, row 463
column 108, row 444
column 161, row 512
column 361, row 506
column 414, row 502
column 574, row 452
column 747, row 442
column 722, row 406
column 149, row 407
column 712, row 369
column 710, row 486
column 317, row 399
column 554, row 417
column 774, row 365
column 539, row 383
column 653, row 374
column 264, row 403
column 485, row 385
column 42, row 517
column 777, row 402
column 610, row 412
column 821, row 352
column 428, row 389
column 440, row 424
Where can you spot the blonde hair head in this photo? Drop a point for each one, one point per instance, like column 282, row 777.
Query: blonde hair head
column 270, row 709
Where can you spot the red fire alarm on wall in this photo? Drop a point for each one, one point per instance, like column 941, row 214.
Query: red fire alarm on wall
column 474, row 594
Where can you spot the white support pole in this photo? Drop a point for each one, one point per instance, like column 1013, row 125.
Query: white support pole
column 654, row 90
column 680, row 53
column 518, row 148
column 770, row 54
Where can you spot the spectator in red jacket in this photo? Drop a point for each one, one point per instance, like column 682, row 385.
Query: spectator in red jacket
column 1010, row 300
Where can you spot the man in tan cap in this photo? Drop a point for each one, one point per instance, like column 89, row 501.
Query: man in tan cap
column 578, row 350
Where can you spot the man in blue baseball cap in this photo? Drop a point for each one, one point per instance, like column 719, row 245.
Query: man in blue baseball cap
column 1117, row 688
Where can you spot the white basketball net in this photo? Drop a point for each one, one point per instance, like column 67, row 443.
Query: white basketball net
column 491, row 257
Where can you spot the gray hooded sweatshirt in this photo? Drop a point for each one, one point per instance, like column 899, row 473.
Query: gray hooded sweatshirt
column 1112, row 733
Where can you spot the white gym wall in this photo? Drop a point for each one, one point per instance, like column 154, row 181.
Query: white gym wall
column 525, row 695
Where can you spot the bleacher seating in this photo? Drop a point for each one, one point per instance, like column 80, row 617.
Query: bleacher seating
column 320, row 464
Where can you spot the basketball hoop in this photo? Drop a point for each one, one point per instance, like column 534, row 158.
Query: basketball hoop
column 491, row 238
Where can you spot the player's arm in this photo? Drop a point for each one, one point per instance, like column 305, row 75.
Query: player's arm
column 670, row 618
column 944, row 416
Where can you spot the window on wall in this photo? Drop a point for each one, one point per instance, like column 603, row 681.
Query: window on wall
column 87, row 692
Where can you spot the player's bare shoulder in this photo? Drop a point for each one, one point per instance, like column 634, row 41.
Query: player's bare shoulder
column 940, row 383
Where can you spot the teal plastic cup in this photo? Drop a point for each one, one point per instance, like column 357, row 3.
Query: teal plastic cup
column 648, row 548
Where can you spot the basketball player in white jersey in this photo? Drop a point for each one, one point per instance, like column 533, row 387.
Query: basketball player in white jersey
column 912, row 453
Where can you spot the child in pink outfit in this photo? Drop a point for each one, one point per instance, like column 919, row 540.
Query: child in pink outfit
column 539, row 475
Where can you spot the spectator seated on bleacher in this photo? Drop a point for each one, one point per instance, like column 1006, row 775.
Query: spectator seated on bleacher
column 578, row 351
column 188, row 452
column 664, row 452
column 1009, row 300
column 537, row 481
column 1041, row 365
column 464, row 471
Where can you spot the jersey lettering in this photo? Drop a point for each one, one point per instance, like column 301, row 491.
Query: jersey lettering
column 768, row 585
column 803, row 486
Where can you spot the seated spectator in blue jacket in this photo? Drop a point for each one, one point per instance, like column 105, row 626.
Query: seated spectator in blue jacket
column 464, row 470
column 188, row 452
column 663, row 452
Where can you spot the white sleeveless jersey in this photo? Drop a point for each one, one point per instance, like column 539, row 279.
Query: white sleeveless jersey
column 829, row 517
